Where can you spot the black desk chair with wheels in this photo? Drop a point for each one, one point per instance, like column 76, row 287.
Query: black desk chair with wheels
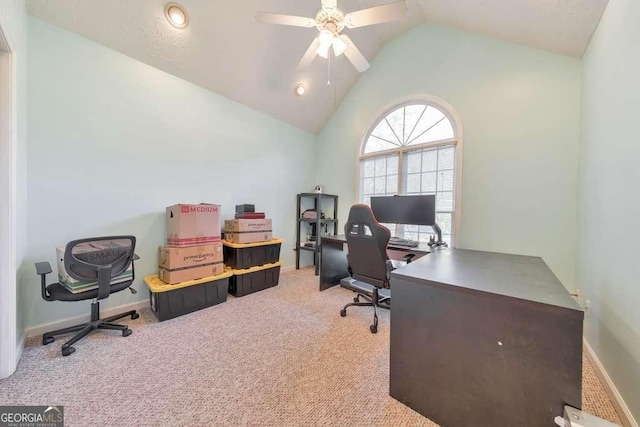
column 99, row 259
column 369, row 264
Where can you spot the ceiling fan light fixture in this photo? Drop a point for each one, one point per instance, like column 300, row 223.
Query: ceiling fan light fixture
column 339, row 46
column 323, row 50
column 176, row 15
column 326, row 37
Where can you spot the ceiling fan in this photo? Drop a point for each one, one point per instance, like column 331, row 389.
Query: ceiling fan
column 330, row 21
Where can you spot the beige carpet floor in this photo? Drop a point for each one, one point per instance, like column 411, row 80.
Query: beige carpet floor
column 280, row 357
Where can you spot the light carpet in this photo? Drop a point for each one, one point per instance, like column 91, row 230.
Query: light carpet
column 280, row 357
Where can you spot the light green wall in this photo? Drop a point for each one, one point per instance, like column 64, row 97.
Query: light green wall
column 14, row 16
column 608, row 267
column 519, row 108
column 114, row 141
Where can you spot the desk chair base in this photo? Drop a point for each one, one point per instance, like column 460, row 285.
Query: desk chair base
column 86, row 328
column 374, row 301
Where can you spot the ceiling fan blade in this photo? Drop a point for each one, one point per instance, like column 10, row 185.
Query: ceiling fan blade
column 275, row 18
column 309, row 55
column 354, row 55
column 377, row 15
column 329, row 4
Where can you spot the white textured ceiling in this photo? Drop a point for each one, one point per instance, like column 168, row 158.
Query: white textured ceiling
column 225, row 50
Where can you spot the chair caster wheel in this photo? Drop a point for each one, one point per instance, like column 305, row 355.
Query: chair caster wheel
column 373, row 329
column 356, row 299
column 47, row 340
column 343, row 313
column 67, row 351
column 126, row 332
column 135, row 316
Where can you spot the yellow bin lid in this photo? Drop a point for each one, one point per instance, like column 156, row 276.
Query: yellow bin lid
column 274, row 241
column 156, row 285
column 253, row 269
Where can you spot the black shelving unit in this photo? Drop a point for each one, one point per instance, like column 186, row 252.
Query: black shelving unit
column 331, row 214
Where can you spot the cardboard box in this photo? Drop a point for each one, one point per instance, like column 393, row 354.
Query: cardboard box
column 172, row 258
column 192, row 273
column 86, row 252
column 190, row 225
column 247, row 230
column 252, row 237
column 247, row 225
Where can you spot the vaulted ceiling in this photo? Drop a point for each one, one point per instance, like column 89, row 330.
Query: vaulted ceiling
column 226, row 50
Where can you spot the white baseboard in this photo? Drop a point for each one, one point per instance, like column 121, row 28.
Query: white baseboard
column 71, row 321
column 616, row 398
column 20, row 347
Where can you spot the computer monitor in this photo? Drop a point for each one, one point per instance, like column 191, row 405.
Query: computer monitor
column 413, row 210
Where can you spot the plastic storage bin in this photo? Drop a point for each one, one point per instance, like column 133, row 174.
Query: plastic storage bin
column 254, row 279
column 169, row 301
column 245, row 255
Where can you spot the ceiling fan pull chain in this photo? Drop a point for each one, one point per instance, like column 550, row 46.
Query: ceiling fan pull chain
column 329, row 70
column 335, row 90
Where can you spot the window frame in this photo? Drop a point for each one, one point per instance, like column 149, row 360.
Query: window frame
column 453, row 117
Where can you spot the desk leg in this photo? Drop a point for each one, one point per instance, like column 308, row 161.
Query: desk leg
column 333, row 264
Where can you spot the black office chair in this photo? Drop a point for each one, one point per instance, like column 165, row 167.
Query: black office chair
column 98, row 259
column 369, row 264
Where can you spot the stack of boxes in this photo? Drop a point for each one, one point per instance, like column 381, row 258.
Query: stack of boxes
column 249, row 226
column 191, row 273
column 193, row 246
column 251, row 254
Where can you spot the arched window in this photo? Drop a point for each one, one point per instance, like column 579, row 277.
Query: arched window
column 415, row 149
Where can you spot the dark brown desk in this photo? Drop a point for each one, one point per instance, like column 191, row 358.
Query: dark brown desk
column 333, row 258
column 484, row 339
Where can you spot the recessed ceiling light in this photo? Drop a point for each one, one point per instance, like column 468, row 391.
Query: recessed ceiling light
column 176, row 15
column 300, row 89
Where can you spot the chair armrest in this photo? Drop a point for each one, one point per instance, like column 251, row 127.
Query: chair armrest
column 43, row 268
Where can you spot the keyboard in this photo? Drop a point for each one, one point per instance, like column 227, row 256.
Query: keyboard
column 398, row 241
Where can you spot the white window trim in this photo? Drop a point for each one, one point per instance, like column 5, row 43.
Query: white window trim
column 8, row 148
column 456, row 123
